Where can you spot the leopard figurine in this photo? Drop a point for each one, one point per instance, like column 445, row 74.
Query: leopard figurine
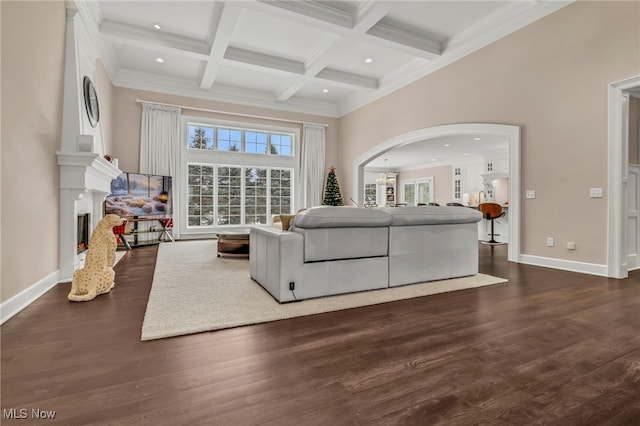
column 97, row 276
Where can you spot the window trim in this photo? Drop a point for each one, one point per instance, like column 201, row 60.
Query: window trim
column 217, row 125
column 217, row 159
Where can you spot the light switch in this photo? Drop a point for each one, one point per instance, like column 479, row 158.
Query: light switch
column 531, row 194
column 595, row 192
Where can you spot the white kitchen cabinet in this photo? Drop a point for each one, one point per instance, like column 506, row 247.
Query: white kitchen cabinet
column 467, row 177
column 496, row 162
column 472, row 178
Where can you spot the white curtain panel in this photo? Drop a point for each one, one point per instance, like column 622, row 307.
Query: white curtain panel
column 311, row 177
column 161, row 149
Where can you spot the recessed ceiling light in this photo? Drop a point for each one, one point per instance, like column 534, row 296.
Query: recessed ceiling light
column 476, row 139
column 447, row 144
column 160, row 60
column 157, row 26
column 325, row 90
column 433, row 159
column 466, row 154
column 368, row 61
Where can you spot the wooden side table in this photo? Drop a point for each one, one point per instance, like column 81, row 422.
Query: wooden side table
column 233, row 243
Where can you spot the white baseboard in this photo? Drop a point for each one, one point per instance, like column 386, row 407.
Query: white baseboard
column 565, row 265
column 27, row 296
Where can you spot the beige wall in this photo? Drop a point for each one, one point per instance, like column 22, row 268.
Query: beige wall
column 634, row 130
column 550, row 78
column 442, row 181
column 128, row 112
column 32, row 86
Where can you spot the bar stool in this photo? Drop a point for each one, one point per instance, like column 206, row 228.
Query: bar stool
column 491, row 211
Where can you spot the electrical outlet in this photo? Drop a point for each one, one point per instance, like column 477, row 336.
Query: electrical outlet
column 531, row 194
column 550, row 242
column 571, row 246
column 292, row 286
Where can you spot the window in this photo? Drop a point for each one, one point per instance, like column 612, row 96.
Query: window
column 410, row 193
column 229, row 195
column 255, row 195
column 256, row 142
column 229, row 140
column 280, row 191
column 281, row 144
column 418, row 192
column 200, row 195
column 201, row 137
column 236, row 176
column 207, row 137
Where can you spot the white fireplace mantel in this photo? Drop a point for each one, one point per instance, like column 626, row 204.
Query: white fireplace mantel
column 86, row 171
column 85, row 181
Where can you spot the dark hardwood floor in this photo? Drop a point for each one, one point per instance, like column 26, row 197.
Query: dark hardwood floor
column 549, row 348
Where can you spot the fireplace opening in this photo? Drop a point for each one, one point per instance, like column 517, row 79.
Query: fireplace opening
column 83, row 233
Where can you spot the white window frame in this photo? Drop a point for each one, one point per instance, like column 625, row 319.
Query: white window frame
column 234, row 159
column 415, row 182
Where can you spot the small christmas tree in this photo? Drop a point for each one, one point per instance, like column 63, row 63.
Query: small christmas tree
column 332, row 195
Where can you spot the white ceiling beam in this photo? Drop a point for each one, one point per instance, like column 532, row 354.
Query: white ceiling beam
column 406, row 41
column 349, row 78
column 263, row 60
column 364, row 18
column 315, row 10
column 151, row 39
column 385, row 35
column 224, row 19
column 314, row 65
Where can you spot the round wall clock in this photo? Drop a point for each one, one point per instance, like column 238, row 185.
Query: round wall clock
column 91, row 102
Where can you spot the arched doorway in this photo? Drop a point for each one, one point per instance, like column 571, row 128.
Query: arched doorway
column 512, row 134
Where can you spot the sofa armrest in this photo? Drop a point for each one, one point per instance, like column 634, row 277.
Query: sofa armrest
column 276, row 259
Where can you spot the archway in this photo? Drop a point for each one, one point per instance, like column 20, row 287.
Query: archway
column 512, row 134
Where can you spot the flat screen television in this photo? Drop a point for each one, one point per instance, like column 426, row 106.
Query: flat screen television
column 139, row 195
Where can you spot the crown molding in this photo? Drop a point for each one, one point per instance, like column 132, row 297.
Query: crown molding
column 180, row 87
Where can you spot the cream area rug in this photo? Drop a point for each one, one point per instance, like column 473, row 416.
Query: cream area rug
column 193, row 291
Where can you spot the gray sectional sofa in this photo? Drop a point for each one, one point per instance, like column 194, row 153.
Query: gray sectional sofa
column 335, row 250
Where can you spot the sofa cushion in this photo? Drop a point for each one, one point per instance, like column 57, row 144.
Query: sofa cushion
column 322, row 244
column 341, row 217
column 431, row 215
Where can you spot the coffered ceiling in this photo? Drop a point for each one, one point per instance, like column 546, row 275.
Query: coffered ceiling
column 320, row 57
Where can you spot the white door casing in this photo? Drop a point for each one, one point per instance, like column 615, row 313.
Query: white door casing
column 618, row 155
column 633, row 217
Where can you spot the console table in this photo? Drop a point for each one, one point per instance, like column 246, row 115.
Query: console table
column 166, row 226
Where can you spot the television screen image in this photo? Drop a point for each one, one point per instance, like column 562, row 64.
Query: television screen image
column 139, row 195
